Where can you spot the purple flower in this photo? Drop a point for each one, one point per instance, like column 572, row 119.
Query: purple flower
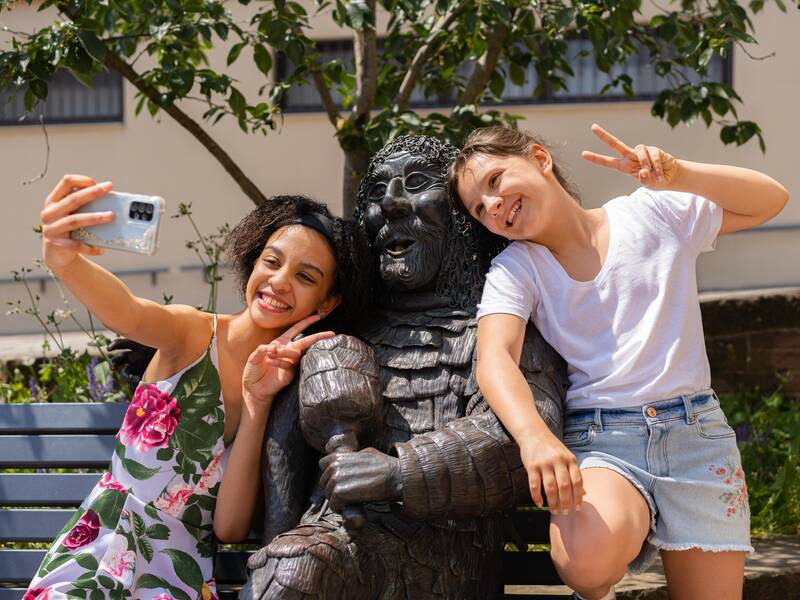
column 84, row 532
column 743, row 432
column 33, row 387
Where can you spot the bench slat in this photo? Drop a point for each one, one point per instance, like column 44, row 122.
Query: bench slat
column 64, row 417
column 519, row 568
column 45, row 489
column 43, row 525
column 23, row 451
column 533, row 526
column 19, row 566
column 21, row 525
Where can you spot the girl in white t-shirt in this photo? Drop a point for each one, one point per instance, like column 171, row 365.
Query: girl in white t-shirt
column 647, row 461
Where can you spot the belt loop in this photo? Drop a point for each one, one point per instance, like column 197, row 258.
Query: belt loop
column 598, row 419
column 687, row 404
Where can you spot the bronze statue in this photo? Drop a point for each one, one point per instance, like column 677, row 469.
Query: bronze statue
column 424, row 502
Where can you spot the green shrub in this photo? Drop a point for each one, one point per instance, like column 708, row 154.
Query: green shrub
column 768, row 434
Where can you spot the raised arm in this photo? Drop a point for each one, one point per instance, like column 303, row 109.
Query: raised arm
column 747, row 197
column 105, row 295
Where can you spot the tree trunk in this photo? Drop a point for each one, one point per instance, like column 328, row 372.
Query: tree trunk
column 356, row 161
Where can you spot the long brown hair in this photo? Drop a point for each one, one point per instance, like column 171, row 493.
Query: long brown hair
column 500, row 141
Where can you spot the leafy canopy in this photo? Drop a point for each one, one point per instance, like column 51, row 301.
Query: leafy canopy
column 464, row 50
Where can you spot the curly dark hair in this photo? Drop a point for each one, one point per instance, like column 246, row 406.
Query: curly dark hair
column 470, row 247
column 352, row 280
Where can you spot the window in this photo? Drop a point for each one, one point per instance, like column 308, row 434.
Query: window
column 585, row 86
column 69, row 101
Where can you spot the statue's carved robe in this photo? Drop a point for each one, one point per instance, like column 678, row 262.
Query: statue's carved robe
column 460, row 471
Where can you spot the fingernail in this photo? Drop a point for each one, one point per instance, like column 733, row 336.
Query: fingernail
column 110, row 214
column 104, row 185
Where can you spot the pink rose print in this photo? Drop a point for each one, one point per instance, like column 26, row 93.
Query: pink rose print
column 736, row 496
column 150, row 419
column 175, row 500
column 163, row 596
column 118, row 561
column 84, row 532
column 210, row 476
column 37, row 594
column 110, row 483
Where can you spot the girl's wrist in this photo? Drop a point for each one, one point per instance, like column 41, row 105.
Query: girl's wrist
column 257, row 406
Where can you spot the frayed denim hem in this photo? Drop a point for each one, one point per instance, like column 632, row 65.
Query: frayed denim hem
column 658, row 544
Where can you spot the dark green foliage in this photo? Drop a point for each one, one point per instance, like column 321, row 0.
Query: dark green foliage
column 451, row 36
column 768, row 433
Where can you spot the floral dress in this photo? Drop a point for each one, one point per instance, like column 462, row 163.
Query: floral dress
column 145, row 531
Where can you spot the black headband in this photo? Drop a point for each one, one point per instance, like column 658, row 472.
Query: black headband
column 319, row 223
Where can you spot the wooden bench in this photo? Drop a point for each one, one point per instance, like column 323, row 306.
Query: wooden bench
column 35, row 506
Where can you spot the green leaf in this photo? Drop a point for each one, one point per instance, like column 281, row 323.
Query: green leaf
column 87, row 561
column 106, row 582
column 185, row 567
column 94, row 47
column 146, row 549
column 97, row 595
column 76, row 593
column 201, row 382
column 138, row 524
column 108, row 506
column 157, row 532
column 55, row 563
column 262, row 59
column 138, row 470
column 235, row 51
column 149, row 581
column 152, row 512
column 165, row 454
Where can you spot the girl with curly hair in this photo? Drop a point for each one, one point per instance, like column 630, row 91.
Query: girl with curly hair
column 146, row 529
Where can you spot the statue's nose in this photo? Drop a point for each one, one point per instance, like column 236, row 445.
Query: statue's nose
column 394, row 204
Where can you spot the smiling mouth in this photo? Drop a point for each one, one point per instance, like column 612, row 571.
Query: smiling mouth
column 397, row 248
column 513, row 214
column 271, row 303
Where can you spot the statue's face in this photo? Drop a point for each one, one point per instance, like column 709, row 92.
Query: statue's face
column 406, row 218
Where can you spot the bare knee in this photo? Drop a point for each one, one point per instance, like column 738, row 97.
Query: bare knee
column 588, row 561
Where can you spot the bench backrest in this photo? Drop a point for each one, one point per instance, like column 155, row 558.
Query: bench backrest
column 35, row 506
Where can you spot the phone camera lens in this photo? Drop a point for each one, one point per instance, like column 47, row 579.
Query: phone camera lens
column 149, row 209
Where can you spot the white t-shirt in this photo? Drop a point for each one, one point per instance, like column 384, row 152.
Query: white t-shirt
column 633, row 334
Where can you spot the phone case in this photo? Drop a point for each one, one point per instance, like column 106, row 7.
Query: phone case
column 134, row 228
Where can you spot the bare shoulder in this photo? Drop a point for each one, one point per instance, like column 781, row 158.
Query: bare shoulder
column 192, row 330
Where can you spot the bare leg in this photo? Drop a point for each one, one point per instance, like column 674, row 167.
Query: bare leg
column 592, row 548
column 688, row 571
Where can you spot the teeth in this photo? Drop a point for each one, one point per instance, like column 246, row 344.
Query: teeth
column 514, row 213
column 272, row 301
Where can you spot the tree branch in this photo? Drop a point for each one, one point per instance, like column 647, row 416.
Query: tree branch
column 485, row 66
column 365, row 46
column 248, row 187
column 423, row 53
column 325, row 95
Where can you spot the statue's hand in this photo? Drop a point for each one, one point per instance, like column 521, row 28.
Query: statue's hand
column 130, row 359
column 359, row 477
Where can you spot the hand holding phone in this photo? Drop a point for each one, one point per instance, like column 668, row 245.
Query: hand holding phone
column 66, row 211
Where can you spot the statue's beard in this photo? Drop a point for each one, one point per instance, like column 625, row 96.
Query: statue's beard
column 418, row 266
column 415, row 270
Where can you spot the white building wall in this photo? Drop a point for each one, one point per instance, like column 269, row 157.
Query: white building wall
column 156, row 156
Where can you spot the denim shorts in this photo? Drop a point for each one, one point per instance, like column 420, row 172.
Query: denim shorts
column 681, row 455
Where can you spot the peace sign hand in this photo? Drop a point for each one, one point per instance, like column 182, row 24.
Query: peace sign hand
column 653, row 167
column 271, row 367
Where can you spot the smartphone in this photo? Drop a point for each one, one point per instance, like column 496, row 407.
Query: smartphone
column 135, row 226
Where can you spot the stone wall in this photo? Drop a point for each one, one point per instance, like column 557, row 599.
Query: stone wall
column 753, row 339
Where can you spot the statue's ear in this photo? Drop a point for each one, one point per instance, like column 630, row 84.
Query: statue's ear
column 541, row 156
